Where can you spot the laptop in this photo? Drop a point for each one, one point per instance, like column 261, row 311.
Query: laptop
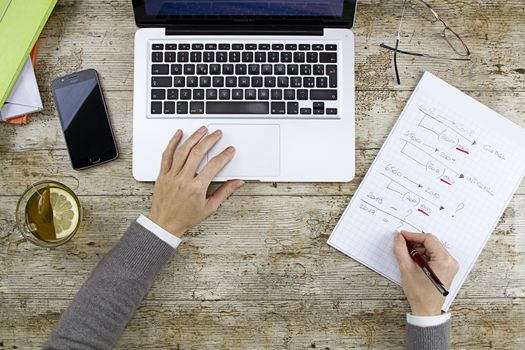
column 276, row 76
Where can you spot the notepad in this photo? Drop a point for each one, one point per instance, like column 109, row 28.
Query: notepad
column 20, row 26
column 449, row 166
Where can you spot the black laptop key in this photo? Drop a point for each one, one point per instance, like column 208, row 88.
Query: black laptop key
column 292, row 107
column 221, row 56
column 202, row 69
column 161, row 81
column 224, row 46
column 280, row 69
column 169, row 107
column 237, row 94
column 241, row 69
column 252, row 47
column 328, row 57
column 286, row 57
column 215, row 69
column 231, row 81
column 321, row 82
column 306, row 111
column 196, row 56
column 250, row 94
column 283, row 82
column 299, row 57
column 289, row 94
column 277, row 47
column 308, row 82
column 171, row 46
column 182, row 107
column 296, row 82
column 304, row 47
column 170, row 56
column 253, row 69
column 312, row 57
column 237, row 107
column 318, row 69
column 157, row 47
column 237, row 46
column 257, row 82
column 260, row 56
column 184, row 46
column 158, row 94
column 224, row 94
column 156, row 56
column 244, row 81
column 218, row 81
column 156, row 107
column 291, row 47
column 211, row 94
column 263, row 94
column 192, row 81
column 198, row 94
column 331, row 71
column 306, row 69
column 205, row 81
column 227, row 69
column 323, row 95
column 197, row 47
column 185, row 94
column 247, row 56
column 211, row 46
column 264, row 47
column 331, row 47
column 269, row 82
column 160, row 69
column 318, row 107
column 196, row 107
column 318, row 47
column 278, row 107
column 302, row 94
column 292, row 69
column 277, row 94
column 331, row 111
column 189, row 69
column 266, row 69
column 235, row 56
column 209, row 56
column 273, row 56
column 173, row 94
column 176, row 69
column 179, row 81
column 182, row 56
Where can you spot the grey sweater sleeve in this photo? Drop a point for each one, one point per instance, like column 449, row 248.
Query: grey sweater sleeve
column 428, row 338
column 98, row 314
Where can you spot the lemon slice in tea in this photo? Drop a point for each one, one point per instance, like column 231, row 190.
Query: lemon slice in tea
column 65, row 212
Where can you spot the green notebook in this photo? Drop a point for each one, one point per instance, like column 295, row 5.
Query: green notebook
column 20, row 27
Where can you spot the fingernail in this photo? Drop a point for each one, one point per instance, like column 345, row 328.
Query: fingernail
column 396, row 235
column 217, row 132
column 202, row 129
column 231, row 149
column 241, row 183
column 178, row 133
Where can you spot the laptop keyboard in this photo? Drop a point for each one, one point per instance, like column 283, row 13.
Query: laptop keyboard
column 278, row 80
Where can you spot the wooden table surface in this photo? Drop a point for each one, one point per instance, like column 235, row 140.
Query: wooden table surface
column 259, row 274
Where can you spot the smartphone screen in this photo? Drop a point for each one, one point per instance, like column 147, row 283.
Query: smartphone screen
column 84, row 119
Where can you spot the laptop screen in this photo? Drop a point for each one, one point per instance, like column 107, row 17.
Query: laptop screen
column 246, row 8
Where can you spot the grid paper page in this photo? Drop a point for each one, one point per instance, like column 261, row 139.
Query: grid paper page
column 449, row 166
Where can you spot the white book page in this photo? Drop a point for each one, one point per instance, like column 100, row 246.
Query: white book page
column 449, row 167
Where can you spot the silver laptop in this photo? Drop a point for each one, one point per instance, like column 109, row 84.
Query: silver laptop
column 276, row 76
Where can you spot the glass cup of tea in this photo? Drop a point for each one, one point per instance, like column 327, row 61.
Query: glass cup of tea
column 48, row 214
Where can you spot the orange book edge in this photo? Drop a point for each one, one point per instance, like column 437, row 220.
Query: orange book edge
column 24, row 119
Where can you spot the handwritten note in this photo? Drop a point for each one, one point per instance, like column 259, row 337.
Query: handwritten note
column 449, row 166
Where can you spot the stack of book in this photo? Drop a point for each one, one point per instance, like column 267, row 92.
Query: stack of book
column 21, row 22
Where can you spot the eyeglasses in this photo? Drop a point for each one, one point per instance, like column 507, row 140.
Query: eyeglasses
column 453, row 39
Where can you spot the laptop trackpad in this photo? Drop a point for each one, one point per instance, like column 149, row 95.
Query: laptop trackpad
column 258, row 152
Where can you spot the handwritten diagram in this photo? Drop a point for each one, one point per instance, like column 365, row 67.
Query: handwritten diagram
column 440, row 171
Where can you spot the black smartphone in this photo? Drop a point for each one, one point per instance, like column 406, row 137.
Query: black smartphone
column 84, row 119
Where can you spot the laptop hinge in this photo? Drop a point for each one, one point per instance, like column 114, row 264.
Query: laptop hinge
column 245, row 30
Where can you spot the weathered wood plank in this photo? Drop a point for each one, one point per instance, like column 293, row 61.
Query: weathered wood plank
column 299, row 324
column 253, row 245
